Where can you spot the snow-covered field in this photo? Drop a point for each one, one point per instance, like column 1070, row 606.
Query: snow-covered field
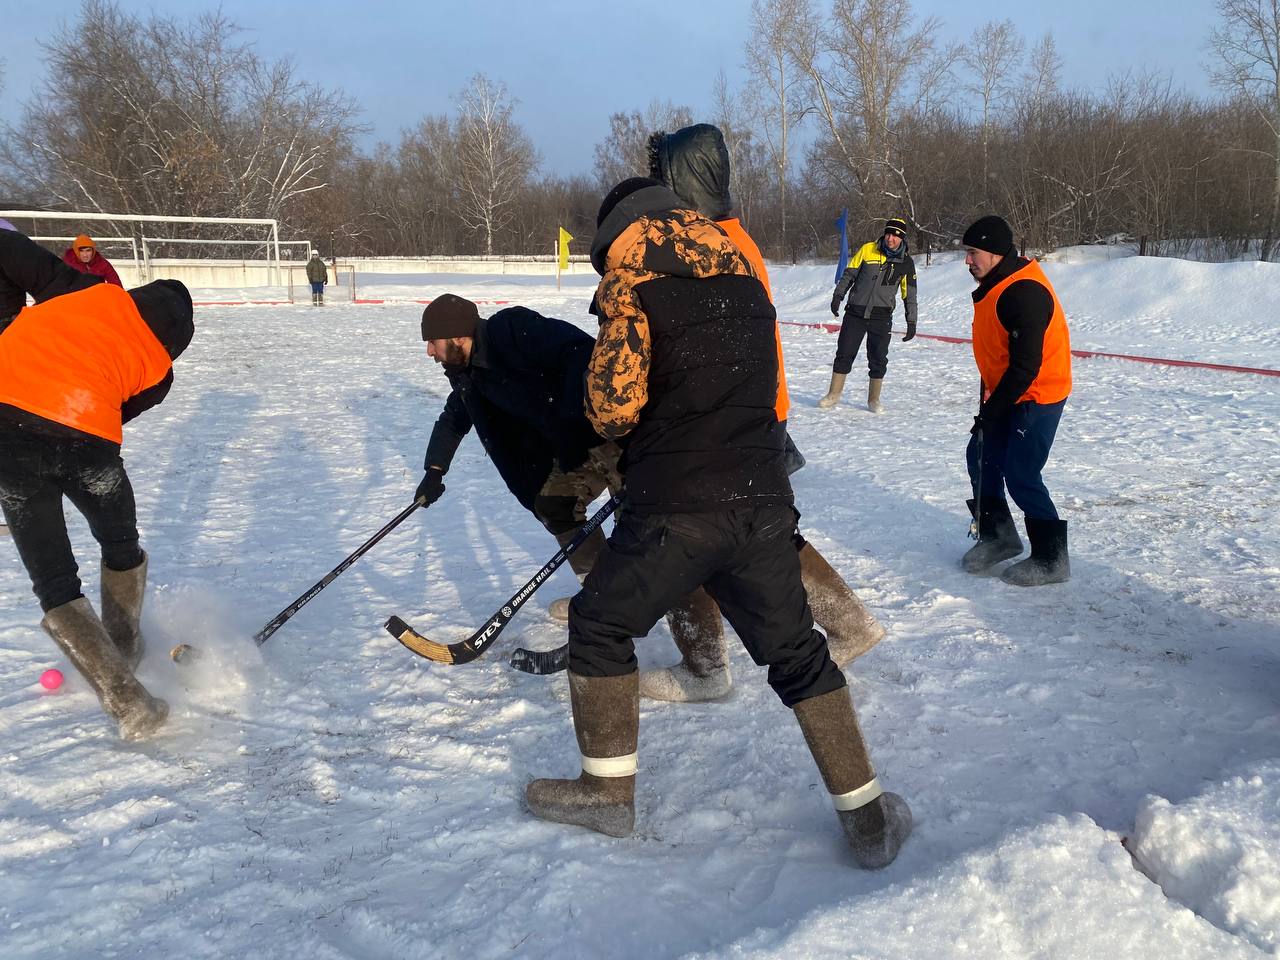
column 333, row 796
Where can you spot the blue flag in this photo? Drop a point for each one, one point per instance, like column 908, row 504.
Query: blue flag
column 843, row 226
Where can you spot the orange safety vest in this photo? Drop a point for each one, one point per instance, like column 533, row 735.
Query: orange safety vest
column 991, row 342
column 77, row 358
column 742, row 240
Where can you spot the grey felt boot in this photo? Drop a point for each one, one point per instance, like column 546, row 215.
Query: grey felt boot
column 997, row 536
column 78, row 632
column 875, row 824
column 873, row 396
column 703, row 671
column 834, row 391
column 1049, row 562
column 606, row 717
column 850, row 628
column 122, row 593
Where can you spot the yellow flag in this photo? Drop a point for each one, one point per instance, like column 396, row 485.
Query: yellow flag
column 564, row 248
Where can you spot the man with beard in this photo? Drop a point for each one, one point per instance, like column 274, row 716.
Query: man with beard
column 517, row 379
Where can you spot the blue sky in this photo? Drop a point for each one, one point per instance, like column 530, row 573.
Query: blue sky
column 571, row 64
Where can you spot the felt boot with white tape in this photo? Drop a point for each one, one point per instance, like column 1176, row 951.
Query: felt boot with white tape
column 606, row 717
column 875, row 823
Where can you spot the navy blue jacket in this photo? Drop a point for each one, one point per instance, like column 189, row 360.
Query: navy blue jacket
column 523, row 393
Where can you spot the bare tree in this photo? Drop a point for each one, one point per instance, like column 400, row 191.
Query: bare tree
column 158, row 116
column 1040, row 79
column 877, row 65
column 623, row 153
column 779, row 87
column 993, row 55
column 495, row 158
column 1247, row 45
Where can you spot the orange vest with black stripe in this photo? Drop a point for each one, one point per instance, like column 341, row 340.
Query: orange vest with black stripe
column 991, row 342
column 77, row 358
column 742, row 240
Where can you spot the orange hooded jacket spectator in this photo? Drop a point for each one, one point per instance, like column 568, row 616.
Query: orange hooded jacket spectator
column 84, row 256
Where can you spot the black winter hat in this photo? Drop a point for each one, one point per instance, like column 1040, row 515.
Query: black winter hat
column 897, row 226
column 990, row 233
column 620, row 193
column 165, row 307
column 449, row 316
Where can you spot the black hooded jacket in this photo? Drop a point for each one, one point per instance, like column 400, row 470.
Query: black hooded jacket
column 694, row 163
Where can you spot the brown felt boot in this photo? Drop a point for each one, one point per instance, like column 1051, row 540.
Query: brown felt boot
column 850, row 628
column 703, row 672
column 122, row 592
column 873, row 396
column 606, row 716
column 875, row 823
column 78, row 632
column 834, row 391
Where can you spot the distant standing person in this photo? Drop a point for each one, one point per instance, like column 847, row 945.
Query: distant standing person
column 1023, row 351
column 877, row 272
column 317, row 276
column 84, row 256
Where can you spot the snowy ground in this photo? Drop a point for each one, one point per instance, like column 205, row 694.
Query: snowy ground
column 335, row 797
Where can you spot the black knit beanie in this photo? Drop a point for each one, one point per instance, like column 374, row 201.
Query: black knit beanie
column 991, row 234
column 449, row 316
column 620, row 193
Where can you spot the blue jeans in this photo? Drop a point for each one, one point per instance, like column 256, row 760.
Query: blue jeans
column 317, row 288
column 1014, row 451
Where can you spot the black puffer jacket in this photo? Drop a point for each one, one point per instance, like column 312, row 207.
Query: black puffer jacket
column 28, row 268
column 694, row 162
column 523, row 394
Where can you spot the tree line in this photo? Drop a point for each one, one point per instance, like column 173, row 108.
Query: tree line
column 857, row 104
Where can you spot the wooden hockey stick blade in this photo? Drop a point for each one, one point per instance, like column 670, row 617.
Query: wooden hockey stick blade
column 540, row 662
column 453, row 654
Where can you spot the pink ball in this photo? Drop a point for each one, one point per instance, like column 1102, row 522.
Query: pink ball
column 51, row 679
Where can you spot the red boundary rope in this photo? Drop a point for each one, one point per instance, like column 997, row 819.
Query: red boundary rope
column 1163, row 361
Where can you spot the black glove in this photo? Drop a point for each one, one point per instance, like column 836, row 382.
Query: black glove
column 431, row 487
column 978, row 425
column 835, row 306
column 911, row 331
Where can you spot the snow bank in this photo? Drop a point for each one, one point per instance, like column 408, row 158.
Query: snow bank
column 1219, row 853
column 1064, row 889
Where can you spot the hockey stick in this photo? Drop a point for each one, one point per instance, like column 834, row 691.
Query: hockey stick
column 464, row 651
column 540, row 662
column 186, row 653
column 975, row 525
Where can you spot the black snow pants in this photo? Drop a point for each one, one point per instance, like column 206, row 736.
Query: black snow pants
column 36, row 472
column 746, row 560
column 878, row 334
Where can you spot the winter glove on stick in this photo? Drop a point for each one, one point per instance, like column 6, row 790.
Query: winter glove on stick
column 835, row 306
column 431, row 487
column 911, row 331
column 978, row 424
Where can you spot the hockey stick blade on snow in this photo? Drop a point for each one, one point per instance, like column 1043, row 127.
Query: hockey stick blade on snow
column 186, row 653
column 464, row 651
column 540, row 662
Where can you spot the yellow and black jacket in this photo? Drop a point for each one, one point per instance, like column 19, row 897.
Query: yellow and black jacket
column 685, row 365
column 873, row 278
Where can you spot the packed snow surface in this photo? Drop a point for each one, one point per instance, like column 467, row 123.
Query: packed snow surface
column 333, row 796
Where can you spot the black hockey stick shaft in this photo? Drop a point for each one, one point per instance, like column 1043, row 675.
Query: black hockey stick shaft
column 186, row 653
column 975, row 527
column 283, row 617
column 464, row 651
